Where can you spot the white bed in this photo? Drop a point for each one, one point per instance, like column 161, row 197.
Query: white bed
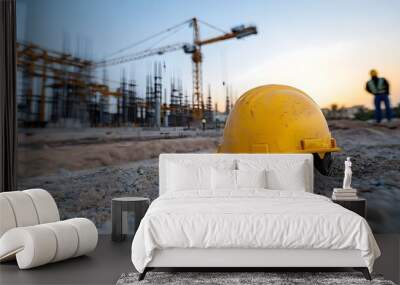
column 211, row 223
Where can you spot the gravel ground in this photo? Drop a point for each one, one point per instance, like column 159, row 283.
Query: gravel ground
column 375, row 152
column 88, row 193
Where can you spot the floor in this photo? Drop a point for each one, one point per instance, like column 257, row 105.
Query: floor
column 104, row 266
column 110, row 260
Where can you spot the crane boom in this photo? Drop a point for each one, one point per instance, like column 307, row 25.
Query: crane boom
column 142, row 54
column 238, row 33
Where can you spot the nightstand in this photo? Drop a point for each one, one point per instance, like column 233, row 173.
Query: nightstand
column 358, row 205
column 120, row 207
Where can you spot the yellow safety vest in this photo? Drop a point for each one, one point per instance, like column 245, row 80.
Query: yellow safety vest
column 379, row 88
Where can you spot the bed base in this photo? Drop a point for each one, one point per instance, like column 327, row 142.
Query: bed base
column 363, row 270
column 250, row 259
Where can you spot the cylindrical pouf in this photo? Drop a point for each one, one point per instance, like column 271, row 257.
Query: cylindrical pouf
column 7, row 218
column 46, row 207
column 23, row 208
column 87, row 235
column 33, row 246
column 37, row 245
column 67, row 240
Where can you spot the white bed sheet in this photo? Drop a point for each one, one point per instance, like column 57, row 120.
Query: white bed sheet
column 250, row 218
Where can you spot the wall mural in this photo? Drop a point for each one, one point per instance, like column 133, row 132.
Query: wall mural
column 99, row 101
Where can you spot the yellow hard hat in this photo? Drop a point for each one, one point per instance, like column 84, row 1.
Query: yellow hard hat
column 278, row 119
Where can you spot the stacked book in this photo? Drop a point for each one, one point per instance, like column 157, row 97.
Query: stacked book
column 344, row 194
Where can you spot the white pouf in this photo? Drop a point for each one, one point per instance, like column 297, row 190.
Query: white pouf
column 31, row 232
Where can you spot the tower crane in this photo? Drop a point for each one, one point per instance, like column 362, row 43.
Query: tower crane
column 194, row 49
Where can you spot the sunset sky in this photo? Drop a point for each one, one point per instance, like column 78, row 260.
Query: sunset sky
column 325, row 48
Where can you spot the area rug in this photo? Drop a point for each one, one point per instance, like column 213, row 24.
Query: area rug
column 233, row 278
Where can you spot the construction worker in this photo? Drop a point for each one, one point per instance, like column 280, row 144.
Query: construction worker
column 379, row 87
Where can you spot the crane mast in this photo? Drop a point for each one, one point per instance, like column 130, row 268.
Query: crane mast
column 197, row 59
column 198, row 102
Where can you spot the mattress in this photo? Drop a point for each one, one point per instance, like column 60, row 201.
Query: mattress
column 250, row 219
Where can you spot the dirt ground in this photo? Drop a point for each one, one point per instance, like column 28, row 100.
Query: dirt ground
column 84, row 178
column 52, row 159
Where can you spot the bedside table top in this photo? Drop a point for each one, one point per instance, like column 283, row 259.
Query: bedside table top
column 130, row 199
column 349, row 200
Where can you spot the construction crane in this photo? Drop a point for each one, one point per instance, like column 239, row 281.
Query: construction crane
column 194, row 49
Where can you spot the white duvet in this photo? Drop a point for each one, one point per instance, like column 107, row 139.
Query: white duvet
column 250, row 219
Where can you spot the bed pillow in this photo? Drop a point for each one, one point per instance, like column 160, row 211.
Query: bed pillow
column 291, row 179
column 183, row 177
column 251, row 178
column 285, row 174
column 223, row 179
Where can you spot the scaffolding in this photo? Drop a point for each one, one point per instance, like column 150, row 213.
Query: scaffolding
column 209, row 114
column 57, row 89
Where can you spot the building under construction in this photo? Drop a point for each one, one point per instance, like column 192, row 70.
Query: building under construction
column 58, row 89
